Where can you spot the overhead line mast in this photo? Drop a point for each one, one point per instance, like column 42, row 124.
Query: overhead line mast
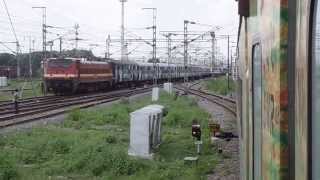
column 44, row 43
column 154, row 45
column 15, row 35
column 213, row 61
column 44, row 30
column 108, row 41
column 76, row 28
column 122, row 31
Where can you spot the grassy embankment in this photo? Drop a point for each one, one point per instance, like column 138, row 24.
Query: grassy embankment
column 93, row 144
column 220, row 85
column 19, row 84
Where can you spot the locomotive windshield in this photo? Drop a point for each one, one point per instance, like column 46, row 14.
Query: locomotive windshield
column 59, row 63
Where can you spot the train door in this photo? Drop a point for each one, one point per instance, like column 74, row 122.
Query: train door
column 256, row 107
column 315, row 95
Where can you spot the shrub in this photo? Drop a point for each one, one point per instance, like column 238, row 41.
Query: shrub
column 111, row 139
column 58, row 146
column 3, row 141
column 7, row 170
column 115, row 162
column 75, row 115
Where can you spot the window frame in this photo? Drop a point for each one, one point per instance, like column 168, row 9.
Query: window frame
column 256, row 173
column 314, row 12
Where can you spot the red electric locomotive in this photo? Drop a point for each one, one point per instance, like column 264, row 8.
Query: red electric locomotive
column 76, row 74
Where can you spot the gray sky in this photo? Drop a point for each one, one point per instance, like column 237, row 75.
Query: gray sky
column 98, row 18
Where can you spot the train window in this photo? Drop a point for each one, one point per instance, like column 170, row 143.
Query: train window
column 315, row 93
column 59, row 63
column 256, row 96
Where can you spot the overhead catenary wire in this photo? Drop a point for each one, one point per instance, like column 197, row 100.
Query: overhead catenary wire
column 7, row 47
column 11, row 23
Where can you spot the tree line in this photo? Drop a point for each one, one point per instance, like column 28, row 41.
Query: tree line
column 8, row 59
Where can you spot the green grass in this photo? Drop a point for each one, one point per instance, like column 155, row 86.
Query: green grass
column 93, row 144
column 220, row 85
column 19, row 84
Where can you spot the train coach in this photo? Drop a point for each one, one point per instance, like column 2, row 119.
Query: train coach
column 73, row 74
column 279, row 101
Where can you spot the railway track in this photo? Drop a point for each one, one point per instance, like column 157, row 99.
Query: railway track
column 32, row 111
column 26, row 100
column 225, row 102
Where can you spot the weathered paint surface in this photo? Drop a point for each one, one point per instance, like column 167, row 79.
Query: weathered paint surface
column 269, row 27
column 275, row 89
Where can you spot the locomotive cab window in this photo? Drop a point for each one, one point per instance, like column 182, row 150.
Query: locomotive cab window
column 315, row 96
column 60, row 63
column 256, row 95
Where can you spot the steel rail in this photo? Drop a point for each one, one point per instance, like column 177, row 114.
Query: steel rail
column 226, row 103
column 50, row 111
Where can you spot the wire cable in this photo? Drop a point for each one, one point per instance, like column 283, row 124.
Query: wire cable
column 12, row 27
column 7, row 47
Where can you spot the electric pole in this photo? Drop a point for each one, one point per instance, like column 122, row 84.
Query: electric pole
column 108, row 41
column 44, row 42
column 30, row 65
column 50, row 43
column 18, row 59
column 228, row 62
column 122, row 30
column 60, row 45
column 76, row 27
column 169, row 41
column 44, row 30
column 185, row 52
column 154, row 45
column 231, row 63
column 30, row 58
column 213, row 51
column 169, row 48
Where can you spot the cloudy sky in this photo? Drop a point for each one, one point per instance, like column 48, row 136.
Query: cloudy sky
column 99, row 18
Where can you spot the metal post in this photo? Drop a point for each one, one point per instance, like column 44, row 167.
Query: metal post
column 18, row 60
column 169, row 54
column 76, row 27
column 228, row 62
column 51, row 45
column 60, row 45
column 33, row 49
column 44, row 31
column 231, row 65
column 44, row 42
column 108, row 47
column 213, row 51
column 30, row 66
column 30, row 59
column 185, row 53
column 122, row 30
column 154, row 45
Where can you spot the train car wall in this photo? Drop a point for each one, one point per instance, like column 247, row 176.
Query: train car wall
column 272, row 36
column 301, row 89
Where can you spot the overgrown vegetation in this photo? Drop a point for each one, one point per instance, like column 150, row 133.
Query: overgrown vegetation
column 220, row 85
column 30, row 89
column 93, row 144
